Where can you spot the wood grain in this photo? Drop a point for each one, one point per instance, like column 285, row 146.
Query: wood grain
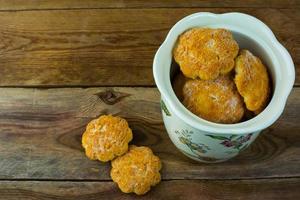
column 75, row 4
column 40, row 134
column 186, row 189
column 106, row 47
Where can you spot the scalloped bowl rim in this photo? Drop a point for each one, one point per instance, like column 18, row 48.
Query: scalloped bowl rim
column 275, row 107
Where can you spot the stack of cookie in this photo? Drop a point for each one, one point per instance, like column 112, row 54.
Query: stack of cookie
column 134, row 169
column 218, row 82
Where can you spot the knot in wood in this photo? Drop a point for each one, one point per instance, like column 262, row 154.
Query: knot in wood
column 111, row 97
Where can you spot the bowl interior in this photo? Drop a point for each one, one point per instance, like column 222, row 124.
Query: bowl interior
column 245, row 42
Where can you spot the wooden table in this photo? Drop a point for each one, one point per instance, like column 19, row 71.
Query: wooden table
column 65, row 62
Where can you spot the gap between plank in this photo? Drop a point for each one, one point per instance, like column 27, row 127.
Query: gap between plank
column 84, row 86
column 76, row 86
column 164, row 180
column 144, row 8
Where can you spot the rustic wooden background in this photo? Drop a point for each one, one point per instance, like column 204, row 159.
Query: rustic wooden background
column 65, row 62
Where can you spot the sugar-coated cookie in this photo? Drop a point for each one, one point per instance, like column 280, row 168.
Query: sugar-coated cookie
column 106, row 137
column 137, row 170
column 252, row 81
column 205, row 53
column 214, row 100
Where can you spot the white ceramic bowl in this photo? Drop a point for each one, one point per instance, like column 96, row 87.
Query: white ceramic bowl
column 206, row 141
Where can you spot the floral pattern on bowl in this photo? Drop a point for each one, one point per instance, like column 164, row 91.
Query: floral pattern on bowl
column 199, row 150
column 234, row 141
column 185, row 138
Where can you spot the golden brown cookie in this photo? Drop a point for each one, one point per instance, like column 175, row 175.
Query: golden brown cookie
column 252, row 81
column 136, row 171
column 106, row 137
column 205, row 52
column 214, row 100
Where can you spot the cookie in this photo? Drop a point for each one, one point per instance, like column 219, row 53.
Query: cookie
column 252, row 81
column 214, row 100
column 136, row 171
column 106, row 137
column 205, row 53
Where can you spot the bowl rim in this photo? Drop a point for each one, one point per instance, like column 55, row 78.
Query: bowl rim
column 271, row 45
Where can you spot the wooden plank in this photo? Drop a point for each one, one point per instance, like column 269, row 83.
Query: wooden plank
column 263, row 189
column 75, row 4
column 107, row 47
column 40, row 136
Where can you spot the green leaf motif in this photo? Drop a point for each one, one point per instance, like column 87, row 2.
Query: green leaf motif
column 244, row 147
column 234, row 141
column 218, row 137
column 164, row 108
column 232, row 137
column 184, row 138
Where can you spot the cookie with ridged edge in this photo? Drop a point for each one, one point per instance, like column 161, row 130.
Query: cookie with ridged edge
column 205, row 53
column 214, row 100
column 252, row 81
column 106, row 138
column 137, row 170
